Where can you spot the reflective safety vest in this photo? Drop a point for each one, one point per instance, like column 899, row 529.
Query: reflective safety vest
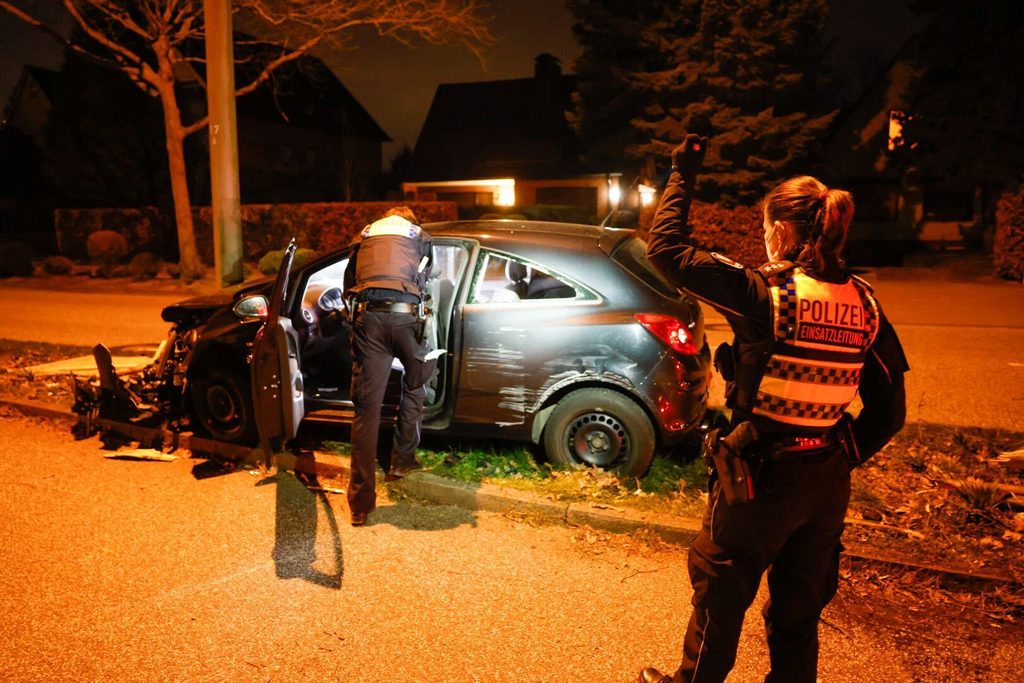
column 821, row 334
column 391, row 253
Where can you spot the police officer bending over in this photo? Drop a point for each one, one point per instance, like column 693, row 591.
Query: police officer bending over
column 385, row 281
column 808, row 337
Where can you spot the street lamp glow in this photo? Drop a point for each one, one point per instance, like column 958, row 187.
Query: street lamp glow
column 646, row 195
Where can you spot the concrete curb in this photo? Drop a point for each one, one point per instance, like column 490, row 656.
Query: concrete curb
column 443, row 491
column 493, row 498
column 38, row 408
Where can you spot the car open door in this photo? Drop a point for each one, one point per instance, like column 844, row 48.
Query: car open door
column 277, row 391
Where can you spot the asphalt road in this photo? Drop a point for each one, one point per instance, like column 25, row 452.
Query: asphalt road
column 964, row 340
column 137, row 571
column 83, row 318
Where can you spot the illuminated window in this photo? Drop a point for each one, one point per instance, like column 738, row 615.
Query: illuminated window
column 505, row 194
column 897, row 121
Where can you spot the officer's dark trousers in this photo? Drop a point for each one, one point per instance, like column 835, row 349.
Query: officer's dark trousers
column 792, row 528
column 378, row 338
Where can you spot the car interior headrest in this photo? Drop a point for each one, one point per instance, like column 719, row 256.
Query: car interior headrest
column 516, row 272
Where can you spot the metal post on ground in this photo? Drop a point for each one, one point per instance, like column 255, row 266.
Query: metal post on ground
column 224, row 185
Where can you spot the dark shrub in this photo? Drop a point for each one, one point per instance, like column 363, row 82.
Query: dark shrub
column 1008, row 249
column 271, row 261
column 735, row 232
column 106, row 249
column 57, row 265
column 322, row 226
column 15, row 260
column 555, row 213
column 144, row 266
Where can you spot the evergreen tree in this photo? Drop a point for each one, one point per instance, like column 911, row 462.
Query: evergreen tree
column 746, row 73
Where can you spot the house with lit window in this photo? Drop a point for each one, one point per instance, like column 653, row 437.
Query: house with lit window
column 895, row 212
column 495, row 144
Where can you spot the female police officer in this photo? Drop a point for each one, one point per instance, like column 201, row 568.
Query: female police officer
column 808, row 336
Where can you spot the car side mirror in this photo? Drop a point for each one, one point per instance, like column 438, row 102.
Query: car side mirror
column 252, row 308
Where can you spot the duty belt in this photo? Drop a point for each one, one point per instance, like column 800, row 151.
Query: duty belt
column 796, row 446
column 387, row 307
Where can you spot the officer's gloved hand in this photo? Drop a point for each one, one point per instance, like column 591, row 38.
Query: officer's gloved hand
column 689, row 155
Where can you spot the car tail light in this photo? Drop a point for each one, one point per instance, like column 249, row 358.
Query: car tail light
column 669, row 330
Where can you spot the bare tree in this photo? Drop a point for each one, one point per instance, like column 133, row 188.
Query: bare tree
column 154, row 41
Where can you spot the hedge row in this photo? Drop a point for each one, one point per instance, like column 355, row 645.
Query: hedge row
column 265, row 227
column 1008, row 249
column 735, row 232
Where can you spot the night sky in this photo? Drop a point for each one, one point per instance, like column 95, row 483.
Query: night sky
column 396, row 84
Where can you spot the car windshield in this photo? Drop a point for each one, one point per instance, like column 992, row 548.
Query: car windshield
column 632, row 255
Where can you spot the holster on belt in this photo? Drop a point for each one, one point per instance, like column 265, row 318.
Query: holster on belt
column 847, row 440
column 422, row 311
column 725, row 455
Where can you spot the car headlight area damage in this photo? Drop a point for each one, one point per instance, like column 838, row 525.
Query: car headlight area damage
column 127, row 389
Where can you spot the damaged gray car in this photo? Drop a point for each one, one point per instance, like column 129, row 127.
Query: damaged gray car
column 556, row 334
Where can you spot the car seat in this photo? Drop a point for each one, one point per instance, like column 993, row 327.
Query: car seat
column 544, row 286
column 518, row 275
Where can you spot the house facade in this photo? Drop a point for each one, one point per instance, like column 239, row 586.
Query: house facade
column 494, row 145
column 896, row 210
column 98, row 142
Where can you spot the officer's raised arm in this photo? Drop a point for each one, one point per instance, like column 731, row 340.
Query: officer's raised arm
column 710, row 277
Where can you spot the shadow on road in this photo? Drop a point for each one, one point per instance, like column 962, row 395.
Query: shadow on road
column 423, row 517
column 295, row 532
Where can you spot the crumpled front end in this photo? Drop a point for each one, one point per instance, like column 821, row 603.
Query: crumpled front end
column 151, row 395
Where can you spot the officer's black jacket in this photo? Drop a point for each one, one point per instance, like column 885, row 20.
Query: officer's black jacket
column 742, row 296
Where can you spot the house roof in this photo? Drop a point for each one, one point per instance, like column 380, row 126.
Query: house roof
column 44, row 78
column 508, row 128
column 306, row 92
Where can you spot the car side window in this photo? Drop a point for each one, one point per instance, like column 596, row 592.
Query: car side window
column 332, row 274
column 501, row 279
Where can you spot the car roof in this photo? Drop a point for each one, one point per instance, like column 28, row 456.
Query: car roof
column 548, row 233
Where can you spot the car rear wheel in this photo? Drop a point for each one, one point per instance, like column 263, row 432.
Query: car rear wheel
column 223, row 406
column 600, row 428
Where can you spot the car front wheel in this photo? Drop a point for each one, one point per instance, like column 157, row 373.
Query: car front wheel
column 600, row 428
column 223, row 406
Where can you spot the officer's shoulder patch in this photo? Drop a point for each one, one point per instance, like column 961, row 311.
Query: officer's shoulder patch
column 863, row 283
column 773, row 268
column 392, row 226
column 726, row 260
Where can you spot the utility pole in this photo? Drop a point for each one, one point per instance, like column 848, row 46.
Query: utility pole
column 220, row 98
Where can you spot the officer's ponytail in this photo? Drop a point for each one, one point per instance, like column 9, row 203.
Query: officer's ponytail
column 820, row 218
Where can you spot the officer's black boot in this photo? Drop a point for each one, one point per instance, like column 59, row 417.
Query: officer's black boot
column 652, row 675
